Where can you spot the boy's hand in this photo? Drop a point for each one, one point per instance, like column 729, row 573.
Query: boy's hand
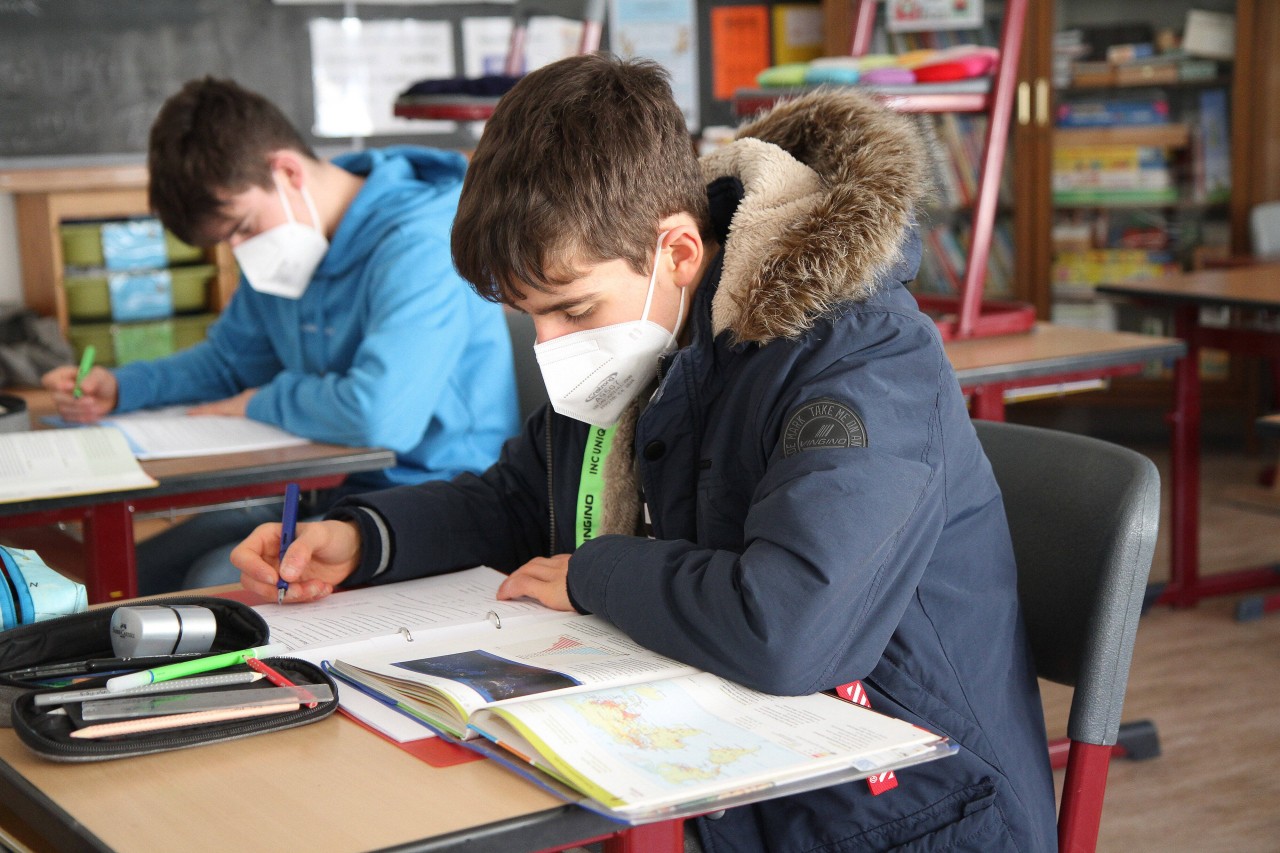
column 543, row 578
column 323, row 554
column 234, row 406
column 98, row 393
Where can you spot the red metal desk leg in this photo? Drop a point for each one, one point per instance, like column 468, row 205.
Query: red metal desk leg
column 988, row 403
column 664, row 837
column 108, row 545
column 1185, row 465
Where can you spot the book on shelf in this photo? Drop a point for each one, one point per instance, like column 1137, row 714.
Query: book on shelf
column 1078, row 272
column 1211, row 148
column 573, row 703
column 52, row 463
column 1112, row 174
column 1113, row 112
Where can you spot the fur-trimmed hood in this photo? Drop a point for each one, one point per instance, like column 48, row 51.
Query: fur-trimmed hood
column 832, row 182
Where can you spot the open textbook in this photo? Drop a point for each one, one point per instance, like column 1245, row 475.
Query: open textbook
column 576, row 705
column 51, row 463
column 169, row 432
column 423, row 610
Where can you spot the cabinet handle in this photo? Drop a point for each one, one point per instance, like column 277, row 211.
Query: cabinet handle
column 1024, row 103
column 1043, row 96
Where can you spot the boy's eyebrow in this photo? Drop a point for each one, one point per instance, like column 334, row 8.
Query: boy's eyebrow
column 562, row 305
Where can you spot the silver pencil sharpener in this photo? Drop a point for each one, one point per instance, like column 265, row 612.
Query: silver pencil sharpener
column 162, row 629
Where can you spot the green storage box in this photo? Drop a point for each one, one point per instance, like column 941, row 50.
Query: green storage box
column 191, row 330
column 88, row 297
column 142, row 341
column 179, row 252
column 191, row 287
column 98, row 334
column 82, row 244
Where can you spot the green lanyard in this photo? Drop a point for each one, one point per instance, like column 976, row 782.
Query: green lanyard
column 591, row 486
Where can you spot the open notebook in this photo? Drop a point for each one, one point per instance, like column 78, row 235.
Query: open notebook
column 578, row 707
column 59, row 462
column 170, row 432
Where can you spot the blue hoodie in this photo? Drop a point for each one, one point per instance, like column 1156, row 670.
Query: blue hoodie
column 387, row 347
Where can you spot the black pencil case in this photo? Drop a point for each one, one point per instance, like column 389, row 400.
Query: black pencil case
column 83, row 636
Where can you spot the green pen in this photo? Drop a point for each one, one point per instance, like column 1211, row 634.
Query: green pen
column 86, row 364
column 190, row 667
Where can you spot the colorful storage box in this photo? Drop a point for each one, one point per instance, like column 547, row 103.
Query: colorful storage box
column 82, row 245
column 121, row 343
column 89, row 295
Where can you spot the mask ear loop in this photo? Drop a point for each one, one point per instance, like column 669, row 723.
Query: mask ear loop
column 311, row 208
column 653, row 279
column 288, row 210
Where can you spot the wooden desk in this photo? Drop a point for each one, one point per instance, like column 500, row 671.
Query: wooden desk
column 329, row 786
column 1254, row 293
column 192, row 481
column 987, row 367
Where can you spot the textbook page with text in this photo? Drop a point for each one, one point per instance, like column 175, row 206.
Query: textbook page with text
column 421, row 612
column 51, row 463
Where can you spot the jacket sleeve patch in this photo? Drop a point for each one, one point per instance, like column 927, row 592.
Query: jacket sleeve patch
column 820, row 424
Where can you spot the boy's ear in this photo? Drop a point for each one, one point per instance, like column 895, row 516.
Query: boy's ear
column 289, row 164
column 687, row 252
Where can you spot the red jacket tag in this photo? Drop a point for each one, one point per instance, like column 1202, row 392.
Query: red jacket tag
column 853, row 692
column 882, row 782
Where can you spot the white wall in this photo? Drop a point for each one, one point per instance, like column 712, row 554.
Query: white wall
column 10, row 271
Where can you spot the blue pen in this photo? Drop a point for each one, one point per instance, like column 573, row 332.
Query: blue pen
column 288, row 524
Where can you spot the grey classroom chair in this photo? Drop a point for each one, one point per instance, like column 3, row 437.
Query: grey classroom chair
column 529, row 384
column 1083, row 514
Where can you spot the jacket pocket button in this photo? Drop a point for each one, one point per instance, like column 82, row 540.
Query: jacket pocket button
column 653, row 450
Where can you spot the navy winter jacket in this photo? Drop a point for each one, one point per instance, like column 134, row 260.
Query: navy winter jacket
column 821, row 507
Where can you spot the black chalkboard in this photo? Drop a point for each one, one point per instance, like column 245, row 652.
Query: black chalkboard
column 86, row 77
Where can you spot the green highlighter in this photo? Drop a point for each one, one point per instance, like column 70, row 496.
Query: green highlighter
column 190, row 667
column 86, row 364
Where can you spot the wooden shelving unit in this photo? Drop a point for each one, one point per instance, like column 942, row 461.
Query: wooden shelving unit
column 45, row 198
column 968, row 313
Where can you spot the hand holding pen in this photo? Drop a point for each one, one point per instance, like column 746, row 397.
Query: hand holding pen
column 323, row 555
column 97, row 387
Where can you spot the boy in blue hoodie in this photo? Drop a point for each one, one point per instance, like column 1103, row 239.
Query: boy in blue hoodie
column 350, row 324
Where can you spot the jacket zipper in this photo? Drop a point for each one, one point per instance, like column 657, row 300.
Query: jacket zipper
column 551, row 496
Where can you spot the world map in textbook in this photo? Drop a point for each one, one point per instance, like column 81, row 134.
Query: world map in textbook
column 662, row 731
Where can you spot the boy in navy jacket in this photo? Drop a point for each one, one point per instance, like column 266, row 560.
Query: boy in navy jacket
column 756, row 459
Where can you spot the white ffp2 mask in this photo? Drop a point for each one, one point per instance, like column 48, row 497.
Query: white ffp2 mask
column 281, row 260
column 592, row 375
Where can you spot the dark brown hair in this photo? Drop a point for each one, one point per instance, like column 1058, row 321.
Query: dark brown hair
column 211, row 138
column 579, row 163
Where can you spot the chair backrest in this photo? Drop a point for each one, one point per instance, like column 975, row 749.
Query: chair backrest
column 1083, row 514
column 529, row 385
column 590, row 12
column 1264, row 228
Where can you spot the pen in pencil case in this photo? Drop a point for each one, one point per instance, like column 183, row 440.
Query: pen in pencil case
column 191, row 667
column 221, row 680
column 196, row 718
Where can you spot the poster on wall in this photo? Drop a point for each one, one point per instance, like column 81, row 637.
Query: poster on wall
column 359, row 67
column 666, row 32
column 908, row 16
